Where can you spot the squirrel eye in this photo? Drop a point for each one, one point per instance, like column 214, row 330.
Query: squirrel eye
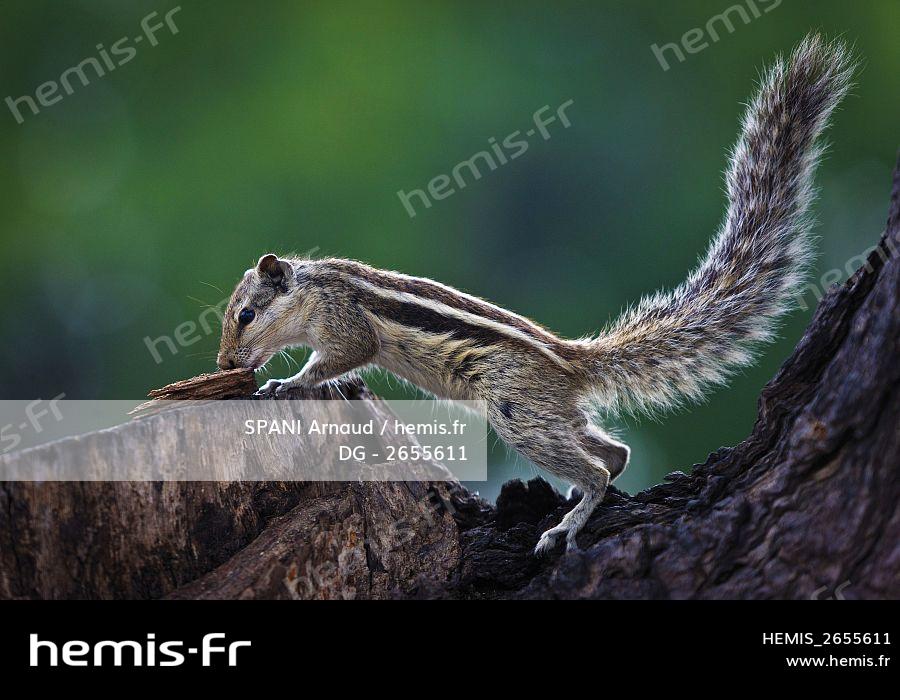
column 246, row 316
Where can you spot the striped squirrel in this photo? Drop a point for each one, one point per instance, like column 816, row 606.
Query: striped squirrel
column 542, row 392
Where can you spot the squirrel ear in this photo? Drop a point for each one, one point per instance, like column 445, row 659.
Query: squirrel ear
column 279, row 271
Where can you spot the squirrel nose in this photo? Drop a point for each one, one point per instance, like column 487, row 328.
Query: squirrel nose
column 225, row 363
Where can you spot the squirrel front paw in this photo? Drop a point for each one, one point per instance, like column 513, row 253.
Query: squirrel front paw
column 279, row 387
column 269, row 388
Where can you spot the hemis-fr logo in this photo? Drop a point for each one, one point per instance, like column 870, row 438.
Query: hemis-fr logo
column 212, row 651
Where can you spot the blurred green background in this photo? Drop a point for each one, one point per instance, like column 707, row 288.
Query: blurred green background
column 289, row 126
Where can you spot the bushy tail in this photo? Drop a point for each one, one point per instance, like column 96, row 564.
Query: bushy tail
column 673, row 346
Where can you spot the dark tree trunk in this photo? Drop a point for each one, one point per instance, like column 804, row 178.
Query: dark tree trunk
column 805, row 507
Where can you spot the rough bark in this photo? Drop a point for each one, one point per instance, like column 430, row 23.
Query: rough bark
column 145, row 539
column 805, row 507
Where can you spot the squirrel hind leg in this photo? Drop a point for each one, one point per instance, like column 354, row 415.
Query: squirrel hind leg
column 602, row 459
column 568, row 447
column 606, row 459
column 615, row 455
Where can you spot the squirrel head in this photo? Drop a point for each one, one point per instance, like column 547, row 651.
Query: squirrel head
column 256, row 324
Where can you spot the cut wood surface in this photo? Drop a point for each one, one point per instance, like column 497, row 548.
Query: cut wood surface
column 227, row 384
column 217, row 385
column 805, row 507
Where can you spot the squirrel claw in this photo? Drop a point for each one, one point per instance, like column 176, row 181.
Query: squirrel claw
column 548, row 540
column 283, row 388
column 270, row 388
column 546, row 543
column 278, row 388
